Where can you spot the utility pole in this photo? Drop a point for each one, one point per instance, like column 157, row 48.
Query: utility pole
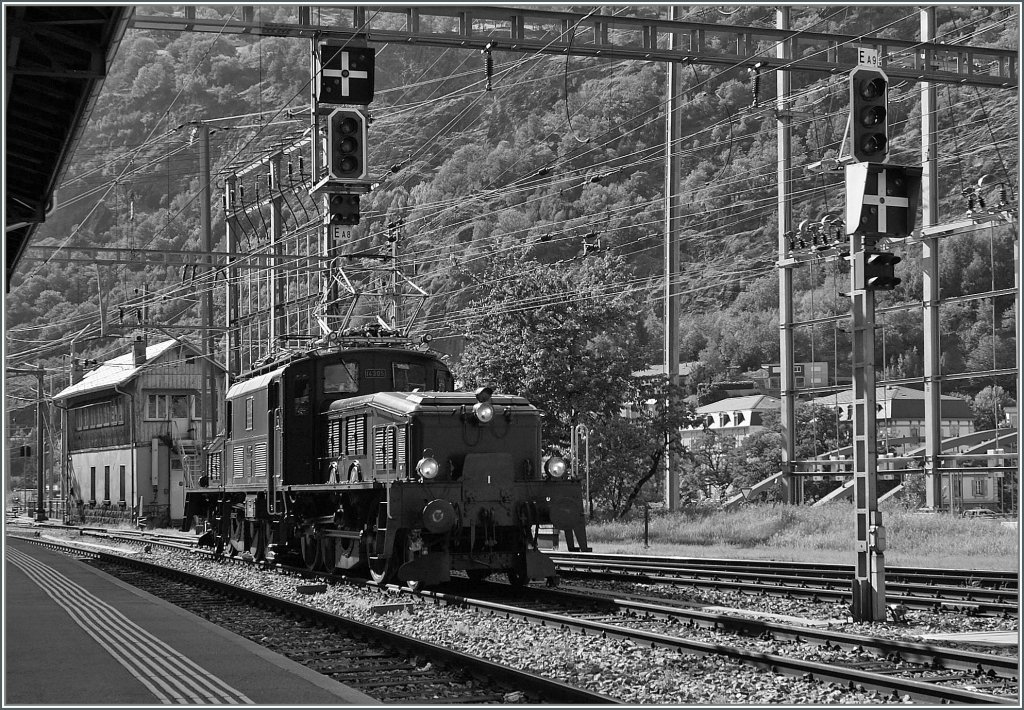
column 930, row 282
column 673, row 175
column 784, row 128
column 206, row 196
column 394, row 236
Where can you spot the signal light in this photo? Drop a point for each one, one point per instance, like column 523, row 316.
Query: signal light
column 876, row 271
column 343, row 209
column 869, row 115
column 346, row 144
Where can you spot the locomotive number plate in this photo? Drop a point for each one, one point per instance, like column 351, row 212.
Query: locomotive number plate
column 375, row 373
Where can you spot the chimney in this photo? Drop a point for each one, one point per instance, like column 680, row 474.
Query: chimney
column 138, row 351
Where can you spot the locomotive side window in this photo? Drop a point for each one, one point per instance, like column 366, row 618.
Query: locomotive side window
column 409, row 377
column 355, row 435
column 250, row 405
column 341, row 377
column 302, row 394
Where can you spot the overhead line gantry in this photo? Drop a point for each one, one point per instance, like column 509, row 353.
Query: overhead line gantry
column 608, row 37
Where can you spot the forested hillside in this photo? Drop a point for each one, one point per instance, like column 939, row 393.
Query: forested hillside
column 560, row 152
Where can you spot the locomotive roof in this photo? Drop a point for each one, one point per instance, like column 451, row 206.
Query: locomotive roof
column 408, row 402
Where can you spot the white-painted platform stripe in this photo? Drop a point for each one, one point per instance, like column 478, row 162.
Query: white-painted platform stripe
column 171, row 676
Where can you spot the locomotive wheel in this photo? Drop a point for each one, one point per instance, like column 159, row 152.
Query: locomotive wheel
column 383, row 572
column 327, row 552
column 237, row 538
column 312, row 553
column 257, row 540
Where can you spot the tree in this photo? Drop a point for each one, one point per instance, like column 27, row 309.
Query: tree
column 535, row 330
column 989, row 407
column 629, row 450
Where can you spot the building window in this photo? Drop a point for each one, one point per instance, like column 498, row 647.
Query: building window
column 120, row 476
column 92, row 485
column 156, row 407
column 979, row 487
column 106, row 484
column 162, row 407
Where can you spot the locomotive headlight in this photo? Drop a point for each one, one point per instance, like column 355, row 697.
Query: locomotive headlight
column 427, row 468
column 483, row 411
column 555, row 467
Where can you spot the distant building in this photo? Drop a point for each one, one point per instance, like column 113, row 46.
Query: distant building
column 899, row 415
column 736, row 417
column 134, row 427
column 806, row 375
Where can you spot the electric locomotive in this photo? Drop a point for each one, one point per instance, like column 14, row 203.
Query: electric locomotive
column 364, row 459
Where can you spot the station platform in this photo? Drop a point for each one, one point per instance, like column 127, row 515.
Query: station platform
column 74, row 635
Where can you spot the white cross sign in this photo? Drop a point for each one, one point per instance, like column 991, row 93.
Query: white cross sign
column 883, row 201
column 345, row 75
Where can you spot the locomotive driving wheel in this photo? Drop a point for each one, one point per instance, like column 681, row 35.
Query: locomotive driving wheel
column 237, row 538
column 382, row 571
column 312, row 553
column 327, row 552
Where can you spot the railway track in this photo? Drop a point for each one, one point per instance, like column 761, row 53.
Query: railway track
column 898, row 668
column 971, row 592
column 388, row 666
column 922, row 672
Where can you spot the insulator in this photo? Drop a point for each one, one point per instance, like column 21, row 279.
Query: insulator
column 1003, row 196
column 756, row 89
column 981, row 201
column 488, row 65
column 241, row 192
column 301, row 164
column 289, row 169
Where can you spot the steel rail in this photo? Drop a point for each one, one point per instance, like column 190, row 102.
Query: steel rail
column 851, row 677
column 551, row 690
column 911, row 651
column 1000, row 577
column 816, row 592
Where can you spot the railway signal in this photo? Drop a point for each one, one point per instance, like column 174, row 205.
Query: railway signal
column 869, row 115
column 343, row 209
column 346, row 144
column 875, row 271
column 881, row 200
column 345, row 75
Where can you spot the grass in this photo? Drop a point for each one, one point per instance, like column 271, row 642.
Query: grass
column 826, row 534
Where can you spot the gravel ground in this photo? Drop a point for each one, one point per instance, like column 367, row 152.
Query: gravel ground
column 631, row 673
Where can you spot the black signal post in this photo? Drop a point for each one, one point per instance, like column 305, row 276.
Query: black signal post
column 869, row 122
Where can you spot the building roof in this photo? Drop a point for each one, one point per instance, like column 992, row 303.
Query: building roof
column 118, row 371
column 904, row 401
column 754, row 402
column 685, row 368
column 56, row 58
